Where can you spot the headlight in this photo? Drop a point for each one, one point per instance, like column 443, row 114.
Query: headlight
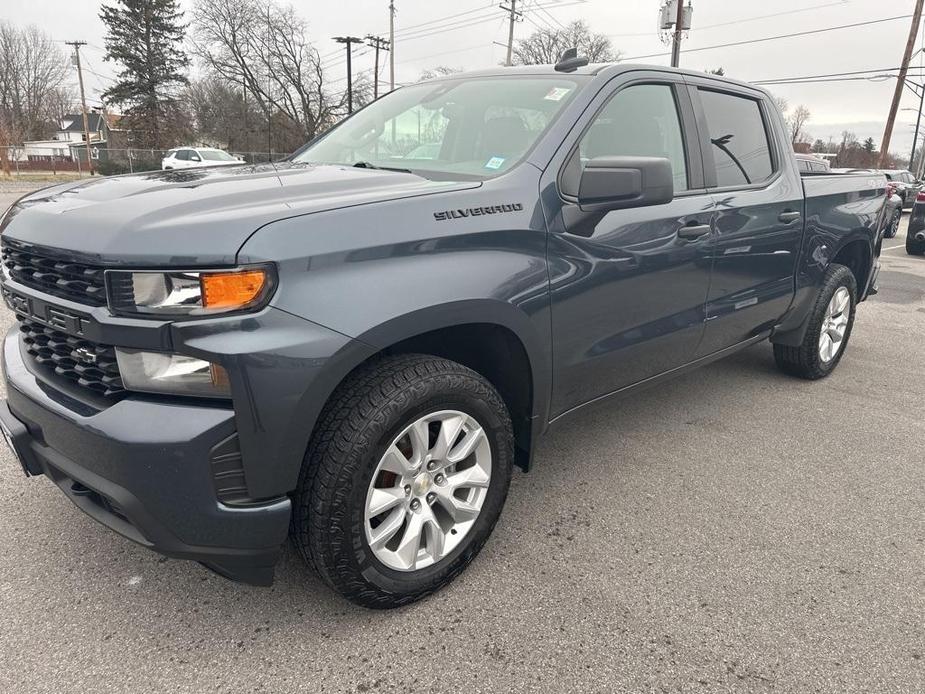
column 188, row 293
column 176, row 374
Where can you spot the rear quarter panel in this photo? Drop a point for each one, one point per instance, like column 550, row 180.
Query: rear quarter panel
column 840, row 209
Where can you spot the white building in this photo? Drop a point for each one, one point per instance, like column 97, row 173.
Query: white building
column 70, row 132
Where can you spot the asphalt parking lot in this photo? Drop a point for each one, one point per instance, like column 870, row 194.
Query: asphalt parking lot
column 734, row 530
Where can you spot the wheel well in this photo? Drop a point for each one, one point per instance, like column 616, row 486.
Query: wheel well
column 497, row 354
column 856, row 257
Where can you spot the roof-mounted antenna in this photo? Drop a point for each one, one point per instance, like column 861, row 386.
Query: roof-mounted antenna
column 570, row 61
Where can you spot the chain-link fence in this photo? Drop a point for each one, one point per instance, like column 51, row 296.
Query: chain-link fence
column 60, row 160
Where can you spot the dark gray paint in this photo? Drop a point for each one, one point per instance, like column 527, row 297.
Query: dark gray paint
column 600, row 304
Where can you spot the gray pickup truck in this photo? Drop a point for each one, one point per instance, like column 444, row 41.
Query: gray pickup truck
column 355, row 346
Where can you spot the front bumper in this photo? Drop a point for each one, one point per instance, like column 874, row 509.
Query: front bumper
column 144, row 468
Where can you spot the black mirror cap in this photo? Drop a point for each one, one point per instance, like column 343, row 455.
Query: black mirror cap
column 615, row 183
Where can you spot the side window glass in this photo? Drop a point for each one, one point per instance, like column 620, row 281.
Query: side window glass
column 803, row 165
column 641, row 120
column 741, row 151
column 183, row 155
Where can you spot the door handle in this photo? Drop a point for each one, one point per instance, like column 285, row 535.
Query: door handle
column 694, row 231
column 788, row 216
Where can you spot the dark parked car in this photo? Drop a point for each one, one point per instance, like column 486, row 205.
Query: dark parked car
column 905, row 183
column 355, row 348
column 915, row 234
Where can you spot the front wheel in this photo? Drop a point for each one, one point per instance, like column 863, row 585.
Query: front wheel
column 828, row 331
column 404, row 479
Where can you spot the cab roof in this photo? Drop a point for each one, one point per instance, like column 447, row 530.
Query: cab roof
column 593, row 70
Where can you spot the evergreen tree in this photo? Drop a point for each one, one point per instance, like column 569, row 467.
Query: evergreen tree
column 145, row 37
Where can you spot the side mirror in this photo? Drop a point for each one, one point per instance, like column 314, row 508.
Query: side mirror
column 195, row 158
column 616, row 183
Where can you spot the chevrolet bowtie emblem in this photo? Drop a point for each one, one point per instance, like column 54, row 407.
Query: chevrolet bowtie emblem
column 85, row 355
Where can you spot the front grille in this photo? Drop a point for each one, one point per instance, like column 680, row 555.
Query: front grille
column 90, row 364
column 61, row 277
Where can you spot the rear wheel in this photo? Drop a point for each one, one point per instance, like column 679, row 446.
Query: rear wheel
column 828, row 331
column 404, row 479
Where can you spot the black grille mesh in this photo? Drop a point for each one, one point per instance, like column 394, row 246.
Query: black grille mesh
column 90, row 364
column 61, row 277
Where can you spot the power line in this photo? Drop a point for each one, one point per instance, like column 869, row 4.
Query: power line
column 828, row 74
column 549, row 14
column 775, row 38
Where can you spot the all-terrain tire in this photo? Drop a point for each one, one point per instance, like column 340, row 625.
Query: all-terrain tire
column 363, row 417
column 805, row 361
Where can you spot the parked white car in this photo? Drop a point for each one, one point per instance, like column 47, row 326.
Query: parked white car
column 195, row 157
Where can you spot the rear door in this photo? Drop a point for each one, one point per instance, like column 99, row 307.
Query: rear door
column 628, row 286
column 759, row 202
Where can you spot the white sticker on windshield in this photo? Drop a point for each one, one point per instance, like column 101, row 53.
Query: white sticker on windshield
column 495, row 163
column 556, row 93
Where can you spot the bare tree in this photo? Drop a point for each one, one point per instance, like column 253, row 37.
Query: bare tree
column 263, row 48
column 32, row 70
column 782, row 105
column 544, row 46
column 796, row 122
column 224, row 115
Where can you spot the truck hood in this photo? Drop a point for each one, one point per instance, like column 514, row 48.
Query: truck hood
column 196, row 217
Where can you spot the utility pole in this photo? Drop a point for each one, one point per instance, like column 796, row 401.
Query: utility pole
column 678, row 28
column 918, row 120
column 392, row 46
column 512, row 17
column 83, row 100
column 348, row 41
column 900, row 81
column 378, row 44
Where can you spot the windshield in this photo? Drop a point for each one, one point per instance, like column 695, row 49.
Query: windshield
column 476, row 127
column 215, row 155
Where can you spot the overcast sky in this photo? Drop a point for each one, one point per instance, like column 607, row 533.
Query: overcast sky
column 462, row 34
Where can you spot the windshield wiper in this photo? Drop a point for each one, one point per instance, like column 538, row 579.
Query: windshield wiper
column 369, row 165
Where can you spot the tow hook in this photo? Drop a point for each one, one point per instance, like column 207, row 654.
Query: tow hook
column 920, row 236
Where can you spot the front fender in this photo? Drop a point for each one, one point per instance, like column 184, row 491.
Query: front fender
column 383, row 273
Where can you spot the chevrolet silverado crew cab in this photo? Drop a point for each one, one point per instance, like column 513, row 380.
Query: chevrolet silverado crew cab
column 355, row 346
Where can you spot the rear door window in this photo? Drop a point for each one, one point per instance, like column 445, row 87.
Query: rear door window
column 738, row 138
column 183, row 154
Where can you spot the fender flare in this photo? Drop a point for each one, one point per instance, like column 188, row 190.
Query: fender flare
column 415, row 324
column 792, row 329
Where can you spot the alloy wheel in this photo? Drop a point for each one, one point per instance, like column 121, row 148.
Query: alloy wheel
column 427, row 490
column 834, row 324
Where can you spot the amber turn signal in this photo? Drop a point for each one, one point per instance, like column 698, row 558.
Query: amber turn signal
column 230, row 290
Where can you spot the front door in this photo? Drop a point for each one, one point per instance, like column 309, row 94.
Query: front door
column 628, row 288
